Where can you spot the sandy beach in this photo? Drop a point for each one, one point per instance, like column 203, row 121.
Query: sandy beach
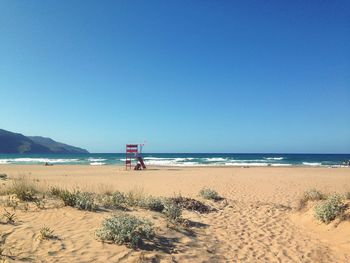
column 256, row 221
column 174, row 132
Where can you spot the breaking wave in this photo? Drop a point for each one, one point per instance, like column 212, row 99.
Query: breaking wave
column 216, row 159
column 96, row 159
column 312, row 164
column 274, row 158
column 97, row 163
column 256, row 164
column 235, row 160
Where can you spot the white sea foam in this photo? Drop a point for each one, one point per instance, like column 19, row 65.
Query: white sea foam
column 246, row 161
column 281, row 164
column 273, row 158
column 97, row 159
column 312, row 164
column 189, row 164
column 245, row 164
column 39, row 160
column 161, row 162
column 97, row 163
column 215, row 159
column 183, row 159
column 166, row 161
column 255, row 164
column 172, row 162
column 157, row 158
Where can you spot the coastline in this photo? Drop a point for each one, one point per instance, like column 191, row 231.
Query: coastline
column 184, row 159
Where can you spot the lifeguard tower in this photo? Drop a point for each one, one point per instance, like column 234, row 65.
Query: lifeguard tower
column 134, row 153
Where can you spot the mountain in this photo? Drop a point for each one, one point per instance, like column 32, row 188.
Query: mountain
column 56, row 147
column 11, row 142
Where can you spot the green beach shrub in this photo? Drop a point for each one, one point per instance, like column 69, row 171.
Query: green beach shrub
column 210, row 194
column 328, row 210
column 314, row 195
column 55, row 191
column 152, row 203
column 134, row 197
column 125, row 229
column 105, row 201
column 40, row 202
column 67, row 197
column 85, row 201
column 310, row 195
column 3, row 176
column 116, row 200
column 77, row 199
column 119, row 200
column 172, row 211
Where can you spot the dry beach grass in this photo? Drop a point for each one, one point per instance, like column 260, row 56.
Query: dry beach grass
column 259, row 218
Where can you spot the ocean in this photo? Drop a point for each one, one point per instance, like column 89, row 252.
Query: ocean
column 183, row 159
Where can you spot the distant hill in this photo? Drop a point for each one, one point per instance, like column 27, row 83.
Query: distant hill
column 11, row 142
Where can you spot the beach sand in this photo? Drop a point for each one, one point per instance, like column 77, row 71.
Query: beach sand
column 256, row 222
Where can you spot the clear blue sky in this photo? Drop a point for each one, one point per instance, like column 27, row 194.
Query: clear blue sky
column 187, row 76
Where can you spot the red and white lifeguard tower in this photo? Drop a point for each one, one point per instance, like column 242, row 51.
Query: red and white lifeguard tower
column 134, row 153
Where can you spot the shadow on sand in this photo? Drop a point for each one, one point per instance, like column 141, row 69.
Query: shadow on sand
column 169, row 244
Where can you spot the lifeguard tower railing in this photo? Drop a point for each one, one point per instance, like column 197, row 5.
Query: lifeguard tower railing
column 134, row 152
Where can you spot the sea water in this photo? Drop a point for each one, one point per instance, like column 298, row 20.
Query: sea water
column 183, row 159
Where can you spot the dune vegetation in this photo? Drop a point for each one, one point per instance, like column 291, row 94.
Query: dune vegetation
column 57, row 218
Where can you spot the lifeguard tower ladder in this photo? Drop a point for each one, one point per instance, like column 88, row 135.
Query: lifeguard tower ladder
column 134, row 152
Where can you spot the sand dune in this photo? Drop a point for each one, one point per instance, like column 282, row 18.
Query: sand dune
column 256, row 222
